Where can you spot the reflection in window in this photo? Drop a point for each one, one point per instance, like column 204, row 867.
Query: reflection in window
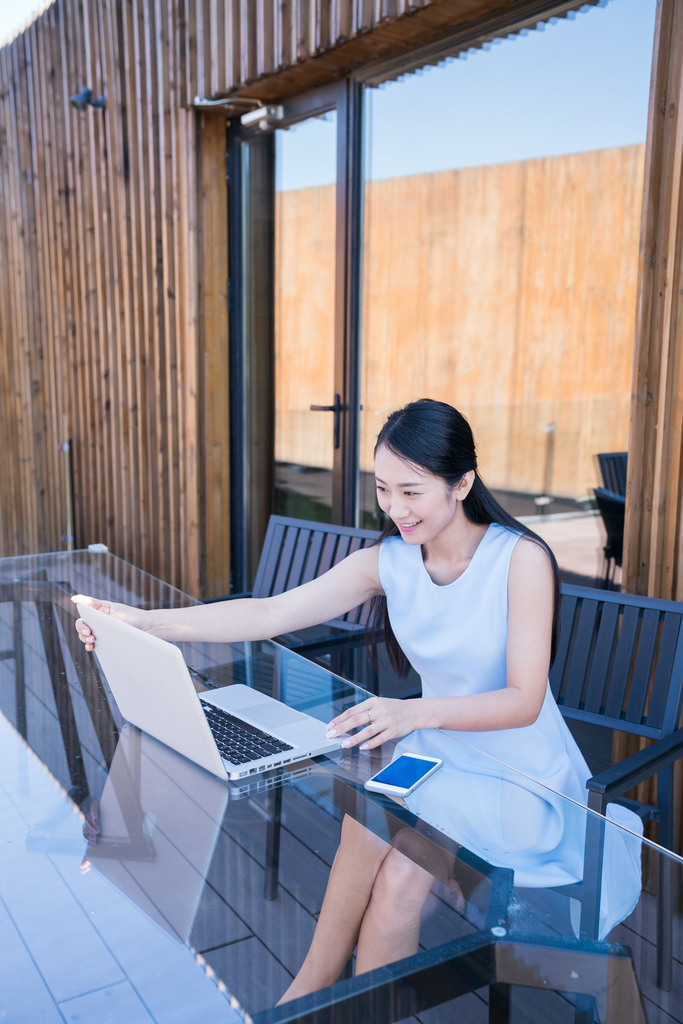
column 501, row 225
column 305, row 175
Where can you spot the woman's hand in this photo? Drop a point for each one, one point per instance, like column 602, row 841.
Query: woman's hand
column 133, row 616
column 384, row 718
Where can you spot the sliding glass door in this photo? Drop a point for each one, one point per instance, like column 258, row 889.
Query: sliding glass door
column 306, row 427
column 460, row 225
column 500, row 255
column 293, row 339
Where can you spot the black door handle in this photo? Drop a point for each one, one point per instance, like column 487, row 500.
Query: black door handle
column 337, row 409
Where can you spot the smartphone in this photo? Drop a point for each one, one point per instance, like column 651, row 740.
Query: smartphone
column 404, row 775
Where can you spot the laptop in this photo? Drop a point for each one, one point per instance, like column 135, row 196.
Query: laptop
column 234, row 732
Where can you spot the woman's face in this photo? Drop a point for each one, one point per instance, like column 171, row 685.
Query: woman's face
column 418, row 502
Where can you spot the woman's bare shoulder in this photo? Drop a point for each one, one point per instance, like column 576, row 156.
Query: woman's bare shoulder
column 365, row 562
column 530, row 561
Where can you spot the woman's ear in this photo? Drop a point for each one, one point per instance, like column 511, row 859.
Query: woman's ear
column 462, row 489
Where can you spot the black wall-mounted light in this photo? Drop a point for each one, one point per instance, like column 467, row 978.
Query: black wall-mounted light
column 82, row 99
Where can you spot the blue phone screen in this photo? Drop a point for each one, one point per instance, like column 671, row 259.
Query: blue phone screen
column 404, row 772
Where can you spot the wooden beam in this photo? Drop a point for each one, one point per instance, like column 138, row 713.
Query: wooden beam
column 652, row 550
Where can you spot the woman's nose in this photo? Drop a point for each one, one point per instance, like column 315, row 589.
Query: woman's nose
column 398, row 510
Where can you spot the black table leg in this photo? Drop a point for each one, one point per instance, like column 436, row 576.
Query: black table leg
column 499, row 1003
column 273, row 843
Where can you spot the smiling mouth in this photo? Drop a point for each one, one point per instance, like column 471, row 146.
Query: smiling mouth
column 408, row 526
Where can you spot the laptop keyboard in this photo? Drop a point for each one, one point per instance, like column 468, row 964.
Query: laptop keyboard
column 237, row 741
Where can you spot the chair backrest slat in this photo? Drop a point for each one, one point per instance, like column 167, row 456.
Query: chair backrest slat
column 313, row 557
column 637, row 696
column 327, row 554
column 296, row 570
column 668, row 642
column 613, row 471
column 342, row 549
column 270, row 556
column 288, row 546
column 581, row 653
column 601, row 661
column 622, row 663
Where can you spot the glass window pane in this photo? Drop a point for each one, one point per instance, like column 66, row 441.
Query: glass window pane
column 501, row 225
column 306, row 171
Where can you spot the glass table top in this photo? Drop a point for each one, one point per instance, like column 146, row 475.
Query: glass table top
column 135, row 886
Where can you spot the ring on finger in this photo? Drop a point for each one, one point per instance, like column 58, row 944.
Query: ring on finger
column 369, row 718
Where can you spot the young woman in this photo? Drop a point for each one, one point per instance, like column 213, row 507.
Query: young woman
column 469, row 597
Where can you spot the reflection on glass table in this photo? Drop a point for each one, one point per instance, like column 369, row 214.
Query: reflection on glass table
column 197, row 900
column 153, row 831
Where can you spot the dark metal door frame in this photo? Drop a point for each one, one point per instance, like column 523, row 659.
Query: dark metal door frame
column 251, row 189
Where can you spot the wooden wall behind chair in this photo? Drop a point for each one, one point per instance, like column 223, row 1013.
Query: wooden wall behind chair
column 508, row 291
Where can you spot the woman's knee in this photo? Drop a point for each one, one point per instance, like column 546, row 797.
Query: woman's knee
column 401, row 885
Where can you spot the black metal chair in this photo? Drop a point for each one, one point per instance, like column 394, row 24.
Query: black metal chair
column 613, row 471
column 620, row 666
column 612, row 509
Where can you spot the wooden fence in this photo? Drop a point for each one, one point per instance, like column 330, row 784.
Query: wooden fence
column 508, row 291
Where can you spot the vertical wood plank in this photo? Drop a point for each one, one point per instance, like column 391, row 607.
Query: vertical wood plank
column 653, row 502
column 213, row 355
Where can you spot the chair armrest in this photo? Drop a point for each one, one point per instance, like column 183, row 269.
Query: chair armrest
column 620, row 777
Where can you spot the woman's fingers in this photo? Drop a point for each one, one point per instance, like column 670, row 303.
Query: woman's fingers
column 133, row 616
column 367, row 718
column 352, row 719
column 85, row 634
column 378, row 719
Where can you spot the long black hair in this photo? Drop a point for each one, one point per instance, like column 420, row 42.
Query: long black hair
column 436, row 437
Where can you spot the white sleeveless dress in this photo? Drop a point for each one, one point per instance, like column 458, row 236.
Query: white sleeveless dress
column 455, row 637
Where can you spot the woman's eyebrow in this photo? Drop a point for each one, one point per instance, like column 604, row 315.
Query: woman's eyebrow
column 412, row 484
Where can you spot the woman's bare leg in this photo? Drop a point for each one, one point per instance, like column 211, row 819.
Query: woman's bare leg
column 391, row 923
column 355, row 866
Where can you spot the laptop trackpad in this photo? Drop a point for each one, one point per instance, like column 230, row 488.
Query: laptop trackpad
column 271, row 715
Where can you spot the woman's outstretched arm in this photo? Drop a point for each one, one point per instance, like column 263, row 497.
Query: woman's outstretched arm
column 345, row 586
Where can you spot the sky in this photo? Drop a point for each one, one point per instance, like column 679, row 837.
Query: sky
column 571, row 86
column 14, row 14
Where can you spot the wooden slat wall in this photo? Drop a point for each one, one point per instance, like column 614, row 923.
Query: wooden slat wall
column 493, row 288
column 107, row 230
column 99, row 307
